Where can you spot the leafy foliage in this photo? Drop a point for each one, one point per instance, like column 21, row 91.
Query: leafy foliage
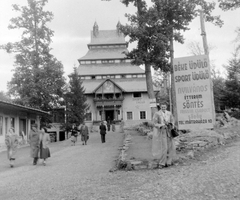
column 154, row 27
column 75, row 100
column 38, row 76
column 229, row 4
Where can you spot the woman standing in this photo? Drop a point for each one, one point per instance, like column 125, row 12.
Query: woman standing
column 11, row 141
column 162, row 143
column 34, row 143
column 44, row 141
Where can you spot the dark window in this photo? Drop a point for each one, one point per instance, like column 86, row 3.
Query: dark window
column 12, row 122
column 142, row 114
column 129, row 115
column 104, row 61
column 137, row 95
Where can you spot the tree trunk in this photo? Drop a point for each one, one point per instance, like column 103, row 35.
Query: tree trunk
column 173, row 93
column 149, row 82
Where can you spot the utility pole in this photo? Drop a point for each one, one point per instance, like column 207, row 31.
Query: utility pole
column 206, row 52
column 203, row 33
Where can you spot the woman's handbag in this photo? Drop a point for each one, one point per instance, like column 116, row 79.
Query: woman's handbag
column 174, row 132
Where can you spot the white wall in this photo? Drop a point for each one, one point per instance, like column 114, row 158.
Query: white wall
column 135, row 105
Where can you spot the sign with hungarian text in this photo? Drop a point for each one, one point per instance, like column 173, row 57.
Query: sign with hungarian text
column 193, row 92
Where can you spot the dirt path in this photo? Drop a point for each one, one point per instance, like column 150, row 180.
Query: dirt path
column 67, row 166
column 81, row 173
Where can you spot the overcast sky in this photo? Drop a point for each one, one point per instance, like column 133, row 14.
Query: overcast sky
column 74, row 19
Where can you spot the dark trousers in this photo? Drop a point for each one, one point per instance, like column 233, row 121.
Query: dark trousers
column 103, row 138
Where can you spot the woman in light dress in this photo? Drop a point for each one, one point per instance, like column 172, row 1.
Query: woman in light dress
column 11, row 141
column 163, row 148
column 44, row 139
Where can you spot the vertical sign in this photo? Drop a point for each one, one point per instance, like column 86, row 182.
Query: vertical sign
column 193, row 92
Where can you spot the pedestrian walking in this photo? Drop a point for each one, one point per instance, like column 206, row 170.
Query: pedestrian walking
column 84, row 134
column 103, row 131
column 34, row 143
column 11, row 141
column 44, row 148
column 162, row 142
column 105, row 124
column 74, row 134
column 108, row 124
column 113, row 126
column 122, row 126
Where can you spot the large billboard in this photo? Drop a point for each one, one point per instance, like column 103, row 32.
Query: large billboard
column 193, row 92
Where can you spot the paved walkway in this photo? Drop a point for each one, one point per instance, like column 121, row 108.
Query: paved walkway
column 81, row 173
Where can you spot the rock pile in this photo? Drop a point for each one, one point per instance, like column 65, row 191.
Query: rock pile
column 225, row 120
column 122, row 163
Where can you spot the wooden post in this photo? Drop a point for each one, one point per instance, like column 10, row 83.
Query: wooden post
column 206, row 52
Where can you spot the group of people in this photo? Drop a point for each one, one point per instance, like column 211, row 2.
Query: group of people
column 83, row 131
column 38, row 140
column 163, row 148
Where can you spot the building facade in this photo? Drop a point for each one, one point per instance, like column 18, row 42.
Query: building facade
column 115, row 88
column 19, row 117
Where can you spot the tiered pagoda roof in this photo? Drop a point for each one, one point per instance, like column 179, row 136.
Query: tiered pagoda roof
column 106, row 56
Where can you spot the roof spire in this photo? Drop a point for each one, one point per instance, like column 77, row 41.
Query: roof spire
column 95, row 29
column 118, row 28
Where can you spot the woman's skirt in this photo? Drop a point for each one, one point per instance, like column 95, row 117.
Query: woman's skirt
column 73, row 139
column 84, row 137
column 44, row 152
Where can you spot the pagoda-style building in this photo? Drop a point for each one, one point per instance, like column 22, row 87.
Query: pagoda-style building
column 115, row 88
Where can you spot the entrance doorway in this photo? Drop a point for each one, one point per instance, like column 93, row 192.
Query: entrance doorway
column 109, row 114
column 23, row 127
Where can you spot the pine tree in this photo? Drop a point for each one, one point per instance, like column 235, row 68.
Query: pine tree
column 38, row 76
column 232, row 91
column 75, row 100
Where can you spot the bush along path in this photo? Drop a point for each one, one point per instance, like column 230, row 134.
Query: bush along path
column 189, row 144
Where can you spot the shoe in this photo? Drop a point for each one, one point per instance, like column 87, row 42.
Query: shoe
column 160, row 166
column 35, row 160
column 168, row 165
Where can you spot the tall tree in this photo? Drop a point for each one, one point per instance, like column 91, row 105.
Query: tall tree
column 38, row 76
column 155, row 28
column 232, row 91
column 75, row 100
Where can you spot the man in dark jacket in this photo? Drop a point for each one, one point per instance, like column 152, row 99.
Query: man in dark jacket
column 102, row 131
